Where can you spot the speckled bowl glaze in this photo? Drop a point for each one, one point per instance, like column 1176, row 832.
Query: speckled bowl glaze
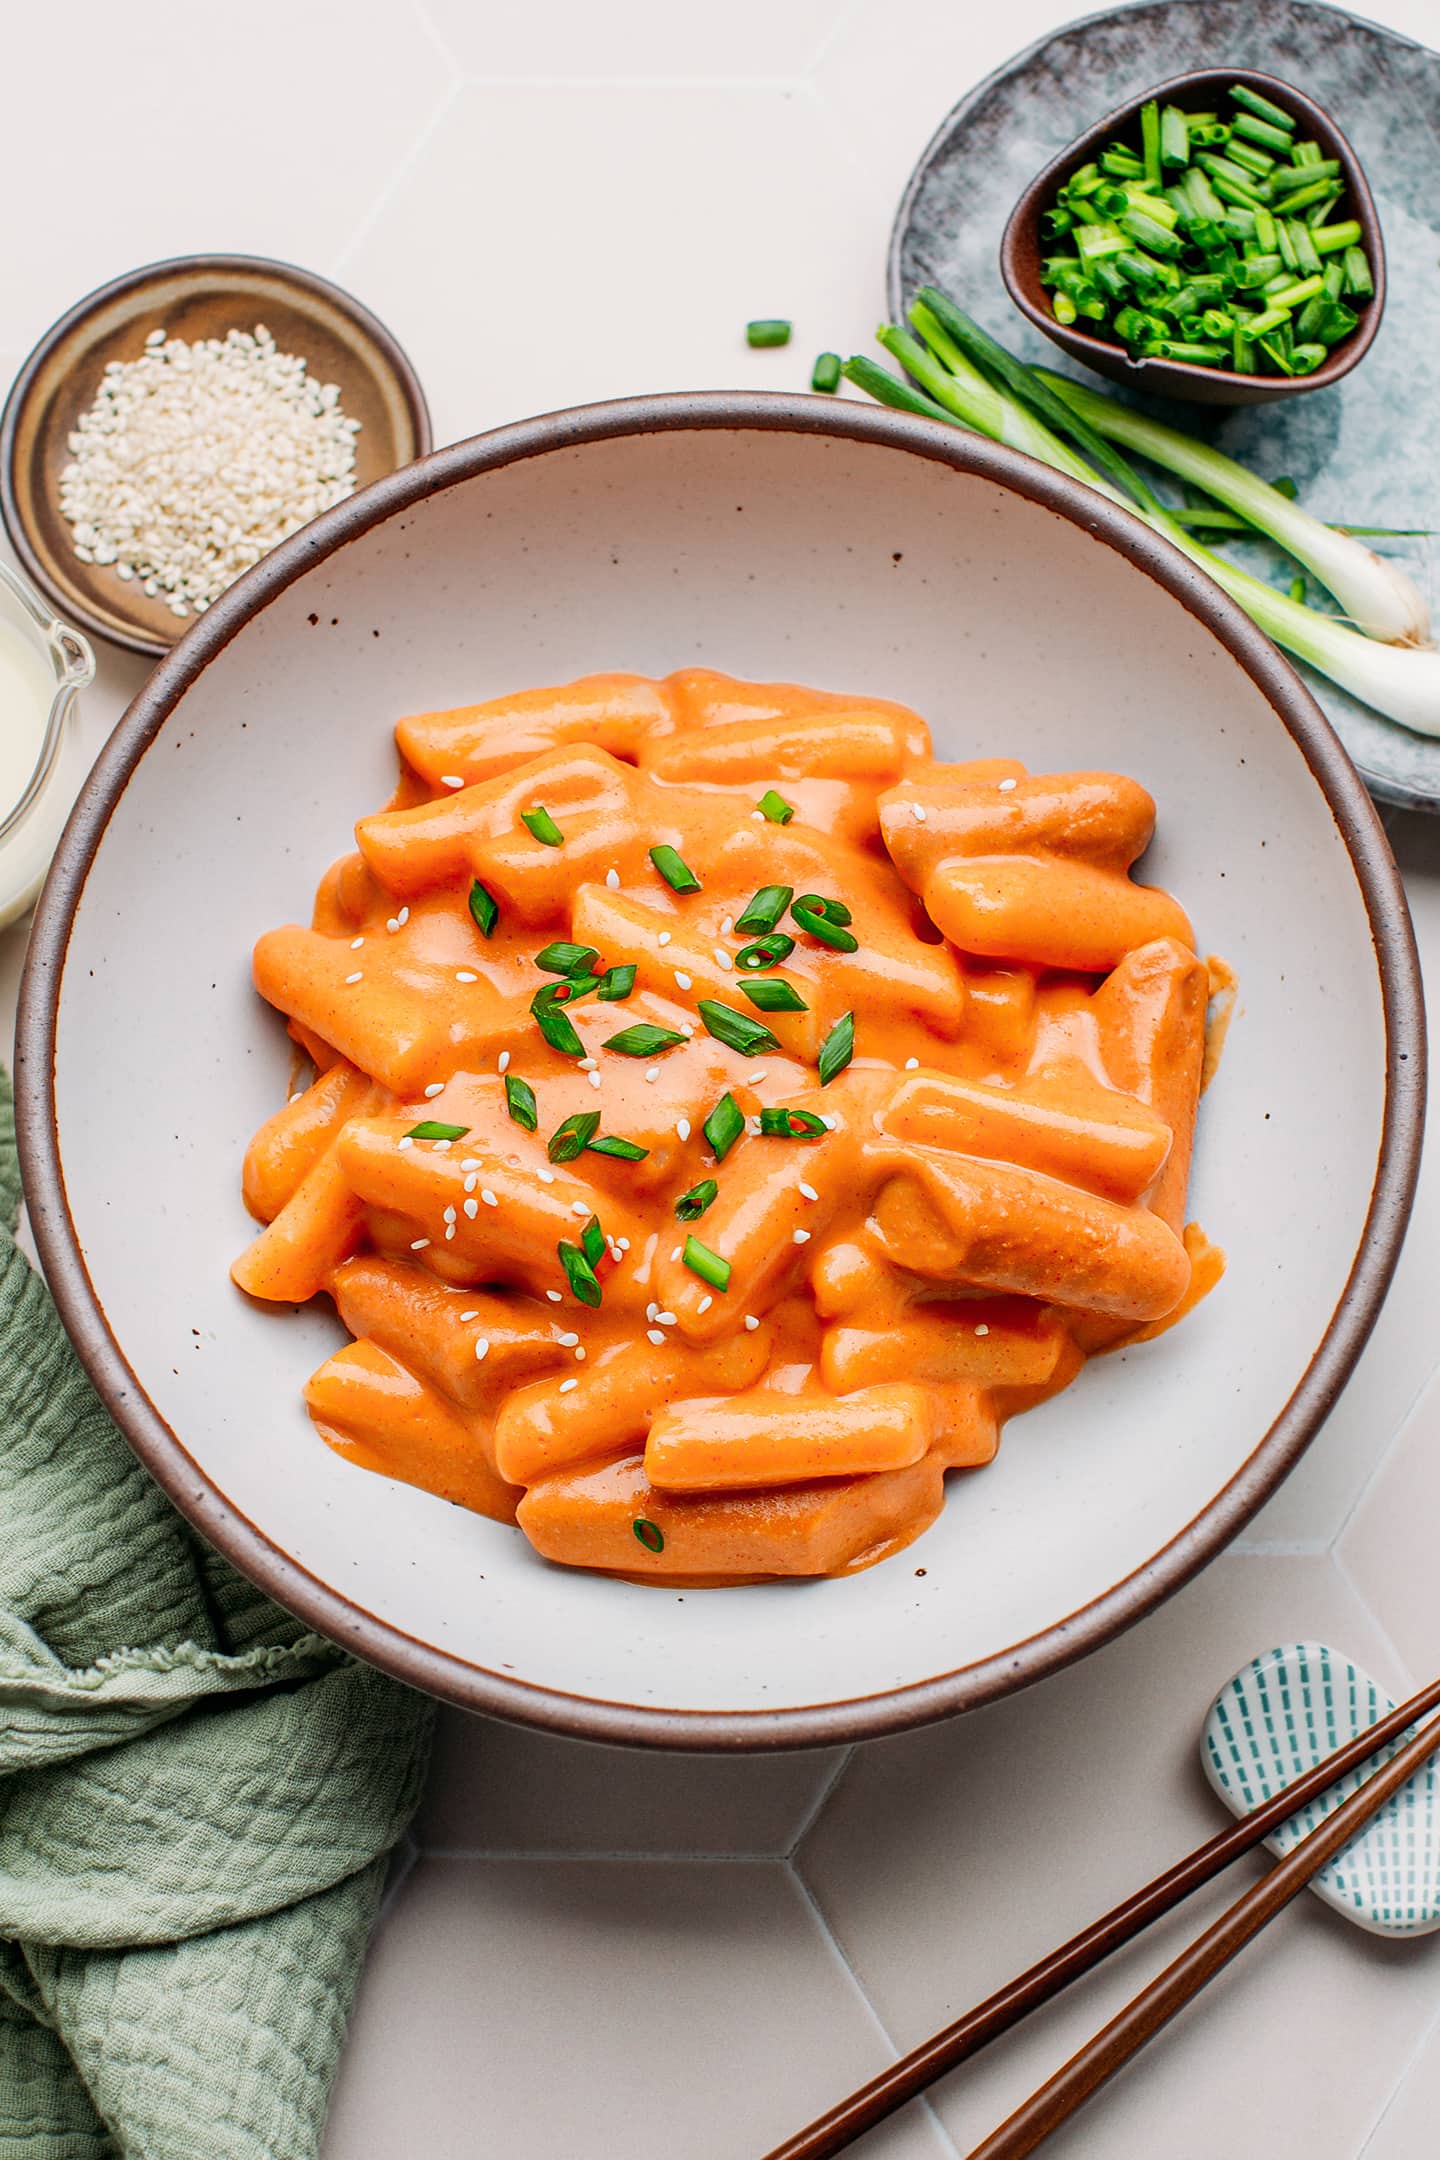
column 836, row 544
column 1366, row 452
column 1279, row 1717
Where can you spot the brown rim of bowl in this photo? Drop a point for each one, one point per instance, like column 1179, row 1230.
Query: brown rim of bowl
column 1020, row 252
column 307, row 281
column 475, row 1687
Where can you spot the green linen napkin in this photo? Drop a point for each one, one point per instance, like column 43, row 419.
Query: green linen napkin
column 196, row 1797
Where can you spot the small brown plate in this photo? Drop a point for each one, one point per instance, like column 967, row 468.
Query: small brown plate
column 195, row 296
column 1201, row 89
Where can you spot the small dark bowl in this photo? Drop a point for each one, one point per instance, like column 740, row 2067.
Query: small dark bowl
column 1202, row 90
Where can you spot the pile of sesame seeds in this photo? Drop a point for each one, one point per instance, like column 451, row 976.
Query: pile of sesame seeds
column 196, row 459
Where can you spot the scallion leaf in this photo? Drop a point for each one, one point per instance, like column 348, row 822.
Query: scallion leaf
column 579, row 1273
column 767, row 330
column 765, row 952
column 651, row 1536
column 724, row 1126
column 542, row 825
column 772, row 995
column 573, row 1136
column 520, row 1102
column 621, row 1150
column 782, row 1124
column 432, row 1129
column 484, row 907
column 692, row 1205
column 592, row 1241
column 558, row 1029
column 565, row 992
column 736, row 1029
column 809, row 912
column 643, row 1040
column 837, row 1049
column 706, row 1264
column 825, row 375
column 563, row 959
column 617, row 983
column 775, row 807
column 674, row 869
column 766, row 909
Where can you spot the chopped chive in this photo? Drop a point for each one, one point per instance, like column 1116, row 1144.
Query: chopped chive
column 484, row 907
column 1251, row 101
column 674, row 869
column 622, row 1150
column 775, row 807
column 809, row 913
column 783, row 1124
column 573, row 1137
column 651, row 1536
column 579, row 1273
column 767, row 330
column 1297, row 590
column 520, row 1102
column 1150, row 141
column 772, row 995
column 724, row 1126
column 825, row 375
column 617, row 983
column 566, row 991
column 558, row 1029
column 766, row 909
column 562, row 959
column 592, row 1241
column 1174, row 137
column 834, row 911
column 692, row 1205
column 765, row 952
column 542, row 825
column 432, row 1129
column 643, row 1039
column 735, row 1029
column 706, row 1264
column 837, row 1049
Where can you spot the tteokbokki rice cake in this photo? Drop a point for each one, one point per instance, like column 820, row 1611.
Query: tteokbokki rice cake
column 725, row 1117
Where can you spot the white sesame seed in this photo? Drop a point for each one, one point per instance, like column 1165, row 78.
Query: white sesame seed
column 651, row 1309
column 665, row 1319
column 449, row 1215
column 754, row 1079
column 594, row 1079
column 912, row 1064
column 568, row 1340
column 827, row 1122
column 588, row 1064
column 403, row 917
column 546, row 1177
column 623, row 1244
column 705, row 1304
column 612, row 879
column 473, row 1314
column 470, row 1162
column 808, row 1192
column 451, row 779
column 392, row 926
column 449, row 1232
column 488, row 1197
column 652, row 1072
column 568, row 1387
column 802, row 1237
column 465, row 975
column 653, row 1334
column 759, row 816
column 982, row 1329
column 419, row 1244
column 722, row 958
column 751, row 1322
column 579, row 1207
column 727, row 926
column 482, row 1348
column 406, row 1142
column 554, row 1296
column 676, row 1252
column 356, row 943
column 441, row 1147
column 580, row 1356
column 1005, row 786
column 472, row 1209
column 683, row 982
column 664, row 937
column 356, row 977
column 502, row 1063
column 682, row 1128
column 472, row 1181
column 436, row 1087
column 919, row 810
column 686, row 1030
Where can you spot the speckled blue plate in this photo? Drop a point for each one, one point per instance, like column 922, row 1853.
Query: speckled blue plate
column 1366, row 452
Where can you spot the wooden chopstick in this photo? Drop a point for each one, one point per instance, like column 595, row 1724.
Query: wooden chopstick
column 1156, row 2004
column 894, row 2087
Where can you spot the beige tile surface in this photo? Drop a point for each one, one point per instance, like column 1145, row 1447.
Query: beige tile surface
column 1409, row 2129
column 752, row 39
column 543, row 2010
column 501, row 1788
column 1389, row 1547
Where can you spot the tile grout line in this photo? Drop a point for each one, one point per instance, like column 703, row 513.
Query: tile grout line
column 447, row 56
column 1397, row 1433
column 1400, row 2083
column 819, row 1804
column 619, row 1855
column 817, row 1914
column 401, row 173
column 1401, row 1664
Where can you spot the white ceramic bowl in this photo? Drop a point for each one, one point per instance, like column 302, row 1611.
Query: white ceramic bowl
column 841, row 546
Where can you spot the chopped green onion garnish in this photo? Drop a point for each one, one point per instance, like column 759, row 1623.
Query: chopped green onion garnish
column 692, row 1205
column 724, row 1126
column 558, row 1029
column 825, row 375
column 706, row 1264
column 520, row 1102
column 765, row 952
column 766, row 909
column 1251, row 101
column 621, row 1150
column 542, row 825
column 834, row 911
column 809, row 913
column 768, row 330
column 592, row 1241
column 772, row 995
column 574, row 1136
column 782, row 1124
column 617, row 982
column 432, row 1129
column 837, row 1049
column 651, row 1536
column 579, row 1273
column 564, row 992
column 735, row 1029
column 484, row 907
column 674, row 869
column 643, row 1040
column 562, row 959
column 775, row 807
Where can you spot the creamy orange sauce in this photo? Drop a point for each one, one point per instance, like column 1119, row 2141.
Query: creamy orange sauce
column 995, row 1190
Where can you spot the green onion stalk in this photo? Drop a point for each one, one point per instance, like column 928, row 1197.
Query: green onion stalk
column 1390, row 669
